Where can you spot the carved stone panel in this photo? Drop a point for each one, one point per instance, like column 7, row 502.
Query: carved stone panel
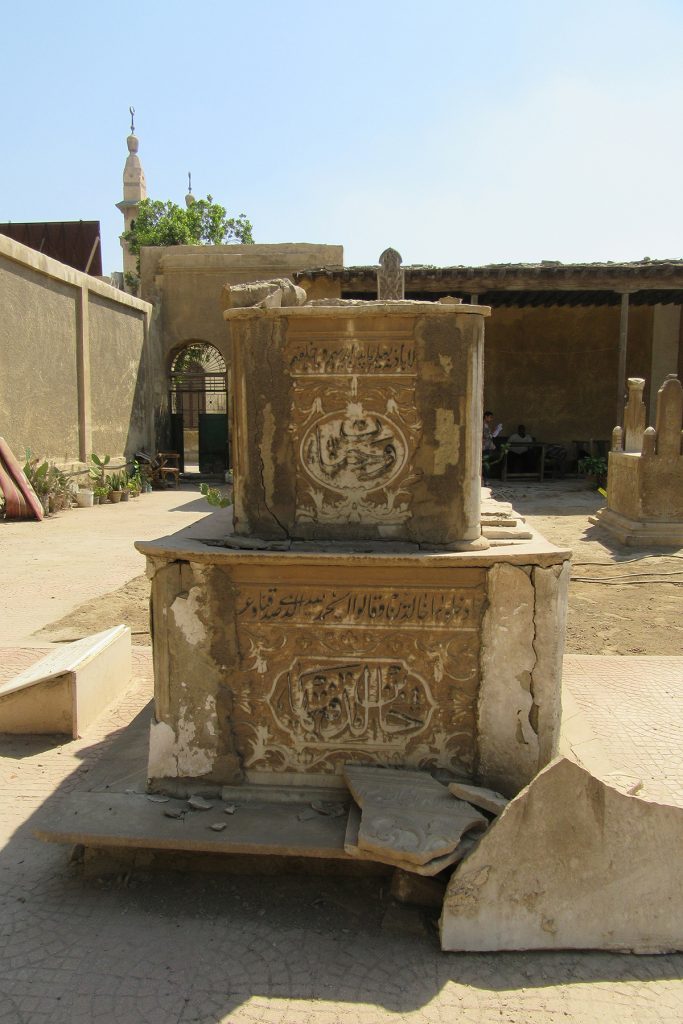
column 358, row 422
column 355, row 670
column 355, row 427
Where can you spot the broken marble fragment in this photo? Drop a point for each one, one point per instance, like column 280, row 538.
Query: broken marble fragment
column 198, row 803
column 218, row 826
column 432, row 867
column 307, row 814
column 157, row 798
column 487, row 799
column 174, row 812
column 229, row 809
column 328, row 808
column 407, row 816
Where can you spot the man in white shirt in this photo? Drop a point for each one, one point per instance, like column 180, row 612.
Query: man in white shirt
column 518, row 456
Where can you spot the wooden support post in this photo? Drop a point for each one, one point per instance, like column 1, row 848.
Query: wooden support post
column 621, row 370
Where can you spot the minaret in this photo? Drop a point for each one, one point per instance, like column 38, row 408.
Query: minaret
column 189, row 198
column 134, row 189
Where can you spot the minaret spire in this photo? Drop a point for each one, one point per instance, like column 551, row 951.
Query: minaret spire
column 189, row 198
column 134, row 189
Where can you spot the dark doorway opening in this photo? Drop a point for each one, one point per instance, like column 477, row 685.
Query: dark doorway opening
column 199, row 409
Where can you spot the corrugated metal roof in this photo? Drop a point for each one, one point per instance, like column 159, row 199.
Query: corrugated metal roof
column 74, row 242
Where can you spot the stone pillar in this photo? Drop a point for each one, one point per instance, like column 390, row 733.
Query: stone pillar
column 390, row 277
column 634, row 415
column 666, row 328
column 669, row 417
column 83, row 374
column 623, row 345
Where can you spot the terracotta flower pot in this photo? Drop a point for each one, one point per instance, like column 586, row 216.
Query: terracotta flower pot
column 115, row 497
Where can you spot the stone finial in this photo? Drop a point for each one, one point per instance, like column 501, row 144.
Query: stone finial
column 669, row 417
column 634, row 415
column 390, row 277
column 617, row 439
column 649, row 442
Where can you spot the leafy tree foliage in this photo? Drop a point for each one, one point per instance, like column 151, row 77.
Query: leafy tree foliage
column 202, row 223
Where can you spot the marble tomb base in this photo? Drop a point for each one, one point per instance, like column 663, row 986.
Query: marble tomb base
column 283, row 666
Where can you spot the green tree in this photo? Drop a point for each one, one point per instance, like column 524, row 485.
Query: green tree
column 201, row 223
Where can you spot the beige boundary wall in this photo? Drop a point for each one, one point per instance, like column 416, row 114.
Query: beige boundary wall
column 74, row 373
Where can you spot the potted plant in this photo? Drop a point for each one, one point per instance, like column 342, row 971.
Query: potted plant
column 100, row 494
column 115, row 488
column 97, row 472
column 123, row 483
column 135, row 480
column 594, row 467
column 53, row 489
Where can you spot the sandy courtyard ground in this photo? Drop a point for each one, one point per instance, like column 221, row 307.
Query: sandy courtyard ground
column 622, row 600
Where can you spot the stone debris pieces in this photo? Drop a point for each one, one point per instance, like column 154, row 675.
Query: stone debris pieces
column 218, row 826
column 198, row 803
column 307, row 814
column 487, row 799
column 328, row 808
column 229, row 808
column 174, row 812
column 408, row 818
column 157, row 798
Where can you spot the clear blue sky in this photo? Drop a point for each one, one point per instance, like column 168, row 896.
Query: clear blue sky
column 510, row 130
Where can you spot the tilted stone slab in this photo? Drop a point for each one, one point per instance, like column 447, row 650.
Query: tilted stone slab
column 572, row 863
column 408, row 816
column 428, row 870
column 69, row 688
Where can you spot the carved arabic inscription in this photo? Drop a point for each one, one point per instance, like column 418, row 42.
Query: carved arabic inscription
column 356, row 428
column 365, row 702
column 354, row 452
column 336, row 674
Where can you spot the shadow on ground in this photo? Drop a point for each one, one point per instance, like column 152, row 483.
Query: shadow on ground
column 144, row 946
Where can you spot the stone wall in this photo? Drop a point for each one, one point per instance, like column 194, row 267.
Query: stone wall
column 73, row 371
column 555, row 369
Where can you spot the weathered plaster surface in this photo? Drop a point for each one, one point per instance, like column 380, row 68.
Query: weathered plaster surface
column 521, row 664
column 447, row 437
column 185, row 610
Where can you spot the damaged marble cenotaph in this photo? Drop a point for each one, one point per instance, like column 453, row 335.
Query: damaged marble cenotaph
column 355, row 614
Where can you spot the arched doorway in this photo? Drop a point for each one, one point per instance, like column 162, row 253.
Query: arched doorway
column 199, row 420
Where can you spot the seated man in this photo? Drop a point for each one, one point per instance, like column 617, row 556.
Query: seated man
column 488, row 444
column 519, row 457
